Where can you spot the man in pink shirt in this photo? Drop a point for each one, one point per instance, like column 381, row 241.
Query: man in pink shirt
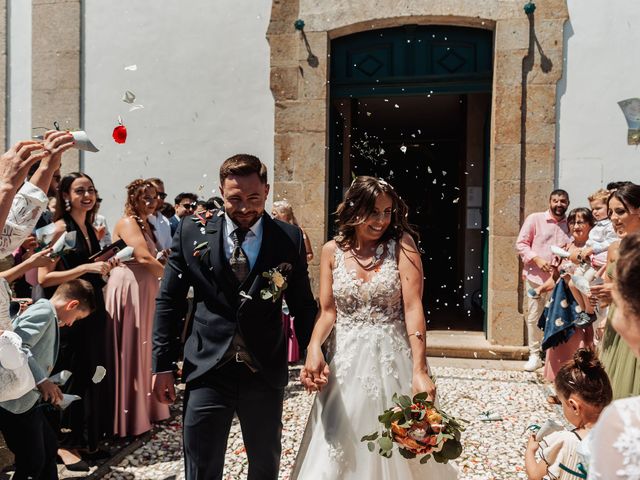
column 539, row 232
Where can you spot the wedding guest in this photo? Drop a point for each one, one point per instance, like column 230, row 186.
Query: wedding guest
column 22, row 422
column 84, row 346
column 562, row 338
column 157, row 219
column 619, row 360
column 614, row 446
column 584, row 391
column 185, row 204
column 168, row 210
column 539, row 232
column 283, row 211
column 130, row 301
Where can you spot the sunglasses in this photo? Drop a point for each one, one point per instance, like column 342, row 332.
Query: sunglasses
column 189, row 206
column 162, row 195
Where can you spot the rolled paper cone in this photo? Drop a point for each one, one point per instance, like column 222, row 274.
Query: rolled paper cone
column 559, row 252
column 59, row 245
column 83, row 142
column 548, row 427
column 61, row 377
column 125, row 254
column 67, row 400
column 590, row 274
column 99, row 374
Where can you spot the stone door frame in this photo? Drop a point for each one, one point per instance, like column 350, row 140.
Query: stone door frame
column 523, row 142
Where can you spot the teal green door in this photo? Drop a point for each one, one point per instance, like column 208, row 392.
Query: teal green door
column 413, row 94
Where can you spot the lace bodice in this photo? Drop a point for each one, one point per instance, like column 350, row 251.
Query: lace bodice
column 378, row 300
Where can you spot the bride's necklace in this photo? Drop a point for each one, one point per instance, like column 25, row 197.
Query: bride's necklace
column 375, row 260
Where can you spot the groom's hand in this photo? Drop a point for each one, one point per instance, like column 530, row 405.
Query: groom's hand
column 163, row 387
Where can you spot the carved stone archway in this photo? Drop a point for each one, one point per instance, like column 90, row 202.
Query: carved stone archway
column 528, row 62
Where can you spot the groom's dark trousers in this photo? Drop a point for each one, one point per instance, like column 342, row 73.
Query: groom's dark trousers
column 210, row 404
column 217, row 386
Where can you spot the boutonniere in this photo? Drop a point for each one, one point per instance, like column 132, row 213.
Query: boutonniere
column 277, row 282
column 201, row 249
column 202, row 218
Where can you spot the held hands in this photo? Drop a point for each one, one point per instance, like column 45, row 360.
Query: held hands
column 422, row 382
column 163, row 387
column 315, row 373
column 50, row 392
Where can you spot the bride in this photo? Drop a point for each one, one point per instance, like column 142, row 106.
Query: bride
column 371, row 284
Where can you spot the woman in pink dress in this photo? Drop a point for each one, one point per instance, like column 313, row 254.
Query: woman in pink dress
column 130, row 302
column 580, row 221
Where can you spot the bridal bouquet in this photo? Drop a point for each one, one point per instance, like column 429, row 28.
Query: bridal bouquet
column 419, row 428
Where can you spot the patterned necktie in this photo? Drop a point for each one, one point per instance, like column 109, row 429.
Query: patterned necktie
column 239, row 261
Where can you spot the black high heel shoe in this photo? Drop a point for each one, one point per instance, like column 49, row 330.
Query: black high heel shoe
column 79, row 466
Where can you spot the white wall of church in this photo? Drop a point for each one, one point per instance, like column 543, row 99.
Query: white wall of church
column 203, row 79
column 601, row 68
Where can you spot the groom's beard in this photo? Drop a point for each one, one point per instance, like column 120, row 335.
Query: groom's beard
column 246, row 220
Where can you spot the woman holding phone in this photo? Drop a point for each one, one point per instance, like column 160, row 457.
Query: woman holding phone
column 85, row 345
column 130, row 302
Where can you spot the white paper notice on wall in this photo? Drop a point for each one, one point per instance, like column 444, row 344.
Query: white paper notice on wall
column 474, row 218
column 474, row 197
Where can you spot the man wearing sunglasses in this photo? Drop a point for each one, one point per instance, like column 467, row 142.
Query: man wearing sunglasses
column 185, row 204
column 158, row 220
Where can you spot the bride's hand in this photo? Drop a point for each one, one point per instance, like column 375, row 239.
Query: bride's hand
column 422, row 382
column 315, row 373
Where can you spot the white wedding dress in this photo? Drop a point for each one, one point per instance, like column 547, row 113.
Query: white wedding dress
column 371, row 362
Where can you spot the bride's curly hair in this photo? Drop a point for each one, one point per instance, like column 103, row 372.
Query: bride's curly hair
column 359, row 203
column 134, row 191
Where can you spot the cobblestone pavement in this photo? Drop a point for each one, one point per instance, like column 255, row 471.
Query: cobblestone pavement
column 492, row 450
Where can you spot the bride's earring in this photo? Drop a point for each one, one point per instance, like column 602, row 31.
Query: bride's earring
column 67, row 205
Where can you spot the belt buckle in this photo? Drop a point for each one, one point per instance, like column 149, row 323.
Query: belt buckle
column 238, row 359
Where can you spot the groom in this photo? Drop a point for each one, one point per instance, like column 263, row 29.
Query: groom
column 235, row 355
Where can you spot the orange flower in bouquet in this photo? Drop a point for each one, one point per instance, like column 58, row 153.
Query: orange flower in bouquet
column 417, row 427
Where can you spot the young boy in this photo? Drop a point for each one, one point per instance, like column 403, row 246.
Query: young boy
column 26, row 432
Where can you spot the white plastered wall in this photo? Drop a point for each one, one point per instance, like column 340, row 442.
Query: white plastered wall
column 203, row 78
column 601, row 68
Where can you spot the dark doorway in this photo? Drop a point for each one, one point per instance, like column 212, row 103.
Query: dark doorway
column 431, row 147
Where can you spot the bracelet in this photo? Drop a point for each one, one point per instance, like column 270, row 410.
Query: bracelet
column 419, row 335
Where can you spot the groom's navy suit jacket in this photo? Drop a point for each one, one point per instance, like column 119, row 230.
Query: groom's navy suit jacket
column 221, row 310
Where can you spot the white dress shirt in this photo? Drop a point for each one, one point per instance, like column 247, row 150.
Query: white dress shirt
column 163, row 230
column 251, row 244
